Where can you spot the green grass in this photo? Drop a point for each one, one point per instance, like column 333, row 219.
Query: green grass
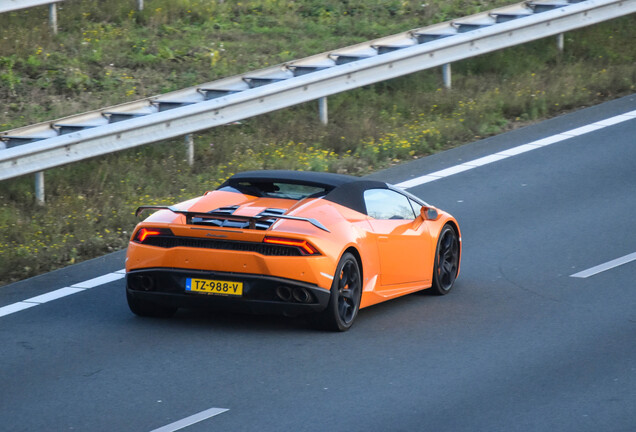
column 111, row 53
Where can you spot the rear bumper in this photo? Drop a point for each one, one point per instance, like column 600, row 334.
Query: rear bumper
column 261, row 294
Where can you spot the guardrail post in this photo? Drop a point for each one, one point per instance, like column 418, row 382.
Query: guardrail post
column 560, row 42
column 446, row 74
column 189, row 140
column 140, row 5
column 39, row 187
column 322, row 110
column 53, row 17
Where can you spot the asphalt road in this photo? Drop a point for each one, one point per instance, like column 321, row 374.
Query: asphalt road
column 519, row 345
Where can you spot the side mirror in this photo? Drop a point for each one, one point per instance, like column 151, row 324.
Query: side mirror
column 429, row 213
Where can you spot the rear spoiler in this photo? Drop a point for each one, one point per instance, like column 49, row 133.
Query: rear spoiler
column 224, row 216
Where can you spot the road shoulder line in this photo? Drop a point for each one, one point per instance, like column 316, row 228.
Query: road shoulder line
column 514, row 151
column 61, row 292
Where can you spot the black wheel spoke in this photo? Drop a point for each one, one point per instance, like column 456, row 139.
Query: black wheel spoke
column 353, row 279
column 343, row 309
column 344, row 280
column 447, row 268
column 347, row 294
column 455, row 249
column 448, row 239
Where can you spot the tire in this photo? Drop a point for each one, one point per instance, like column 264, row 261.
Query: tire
column 147, row 309
column 346, row 292
column 446, row 261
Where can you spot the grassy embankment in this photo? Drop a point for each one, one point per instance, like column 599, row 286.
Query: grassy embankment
column 107, row 53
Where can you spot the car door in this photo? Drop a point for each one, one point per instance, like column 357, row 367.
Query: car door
column 402, row 237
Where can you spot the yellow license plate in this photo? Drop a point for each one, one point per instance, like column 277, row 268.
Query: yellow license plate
column 216, row 287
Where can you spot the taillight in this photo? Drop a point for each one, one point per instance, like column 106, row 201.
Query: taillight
column 305, row 247
column 145, row 233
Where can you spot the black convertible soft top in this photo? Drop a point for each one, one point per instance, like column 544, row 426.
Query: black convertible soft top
column 343, row 189
column 309, row 178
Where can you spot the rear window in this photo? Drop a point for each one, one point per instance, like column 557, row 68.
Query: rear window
column 276, row 190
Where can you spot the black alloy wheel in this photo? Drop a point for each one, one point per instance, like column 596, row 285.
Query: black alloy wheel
column 446, row 261
column 346, row 291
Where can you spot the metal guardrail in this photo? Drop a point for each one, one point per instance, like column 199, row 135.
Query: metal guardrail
column 51, row 144
column 12, row 5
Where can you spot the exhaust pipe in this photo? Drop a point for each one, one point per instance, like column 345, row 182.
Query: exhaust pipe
column 284, row 293
column 147, row 283
column 302, row 295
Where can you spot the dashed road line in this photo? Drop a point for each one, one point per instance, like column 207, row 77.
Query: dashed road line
column 196, row 418
column 605, row 266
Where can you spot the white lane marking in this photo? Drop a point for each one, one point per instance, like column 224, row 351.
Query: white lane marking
column 53, row 295
column 485, row 160
column 452, row 170
column 605, row 266
column 62, row 292
column 551, row 140
column 417, row 181
column 523, row 148
column 15, row 307
column 101, row 280
column 584, row 129
column 614, row 120
column 518, row 150
column 196, row 418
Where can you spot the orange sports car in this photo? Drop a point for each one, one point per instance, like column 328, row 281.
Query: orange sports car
column 292, row 243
